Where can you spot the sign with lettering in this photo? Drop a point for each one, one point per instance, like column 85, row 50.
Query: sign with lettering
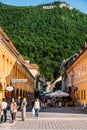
column 18, row 80
column 9, row 88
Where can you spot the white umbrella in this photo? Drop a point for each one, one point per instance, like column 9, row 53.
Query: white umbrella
column 58, row 93
column 50, row 94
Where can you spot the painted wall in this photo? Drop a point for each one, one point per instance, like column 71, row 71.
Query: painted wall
column 77, row 78
column 12, row 66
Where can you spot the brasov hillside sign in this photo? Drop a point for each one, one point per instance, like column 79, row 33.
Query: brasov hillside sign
column 18, row 80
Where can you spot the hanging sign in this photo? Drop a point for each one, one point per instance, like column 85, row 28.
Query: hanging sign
column 18, row 80
column 9, row 88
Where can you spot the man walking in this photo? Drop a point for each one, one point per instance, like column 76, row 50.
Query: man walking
column 4, row 108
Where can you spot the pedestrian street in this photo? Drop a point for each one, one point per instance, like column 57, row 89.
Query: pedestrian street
column 51, row 119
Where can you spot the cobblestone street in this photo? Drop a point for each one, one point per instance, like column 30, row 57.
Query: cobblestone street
column 51, row 118
column 53, row 124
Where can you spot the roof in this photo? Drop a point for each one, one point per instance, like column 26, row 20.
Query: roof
column 58, row 80
column 10, row 44
column 31, row 66
column 68, row 62
column 34, row 72
column 12, row 48
column 52, row 83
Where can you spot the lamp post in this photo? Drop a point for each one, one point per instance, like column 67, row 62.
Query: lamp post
column 15, row 83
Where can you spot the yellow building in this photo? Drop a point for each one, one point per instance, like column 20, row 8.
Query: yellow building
column 74, row 72
column 13, row 70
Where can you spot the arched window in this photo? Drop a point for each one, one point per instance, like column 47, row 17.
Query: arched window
column 17, row 93
column 21, row 92
column 3, row 63
column 10, row 65
column 7, row 66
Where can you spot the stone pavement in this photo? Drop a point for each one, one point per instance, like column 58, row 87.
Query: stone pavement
column 53, row 124
column 50, row 119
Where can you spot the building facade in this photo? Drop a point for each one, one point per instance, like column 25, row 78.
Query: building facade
column 13, row 70
column 74, row 73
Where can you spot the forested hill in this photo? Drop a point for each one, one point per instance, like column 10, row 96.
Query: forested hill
column 45, row 34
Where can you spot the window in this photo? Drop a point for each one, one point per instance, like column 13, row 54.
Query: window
column 7, row 66
column 3, row 63
column 10, row 65
column 84, row 94
column 81, row 94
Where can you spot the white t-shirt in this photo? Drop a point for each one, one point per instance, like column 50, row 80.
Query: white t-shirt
column 37, row 105
column 4, row 105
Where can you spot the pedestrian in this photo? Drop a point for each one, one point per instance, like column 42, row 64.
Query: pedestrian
column 13, row 110
column 18, row 102
column 32, row 103
column 37, row 107
column 60, row 105
column 48, row 102
column 1, row 114
column 53, row 101
column 4, row 105
column 23, row 109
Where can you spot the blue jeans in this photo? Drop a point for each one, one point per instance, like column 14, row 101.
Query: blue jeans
column 4, row 114
column 36, row 112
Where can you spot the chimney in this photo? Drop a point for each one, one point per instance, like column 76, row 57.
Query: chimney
column 85, row 43
column 27, row 61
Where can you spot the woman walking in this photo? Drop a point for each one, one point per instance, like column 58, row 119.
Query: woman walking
column 37, row 107
column 13, row 109
column 23, row 108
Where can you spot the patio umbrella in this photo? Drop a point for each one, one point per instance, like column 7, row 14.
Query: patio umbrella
column 50, row 94
column 58, row 93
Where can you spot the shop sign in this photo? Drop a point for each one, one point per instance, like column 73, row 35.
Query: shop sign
column 18, row 80
column 9, row 88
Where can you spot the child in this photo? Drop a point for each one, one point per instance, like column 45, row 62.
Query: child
column 1, row 114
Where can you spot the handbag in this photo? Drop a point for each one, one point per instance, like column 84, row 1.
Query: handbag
column 33, row 111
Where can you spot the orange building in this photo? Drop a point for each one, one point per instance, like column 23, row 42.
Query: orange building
column 13, row 70
column 74, row 73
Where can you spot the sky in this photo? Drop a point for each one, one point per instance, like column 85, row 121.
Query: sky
column 78, row 4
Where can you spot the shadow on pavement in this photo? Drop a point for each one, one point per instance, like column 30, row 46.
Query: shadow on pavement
column 74, row 110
